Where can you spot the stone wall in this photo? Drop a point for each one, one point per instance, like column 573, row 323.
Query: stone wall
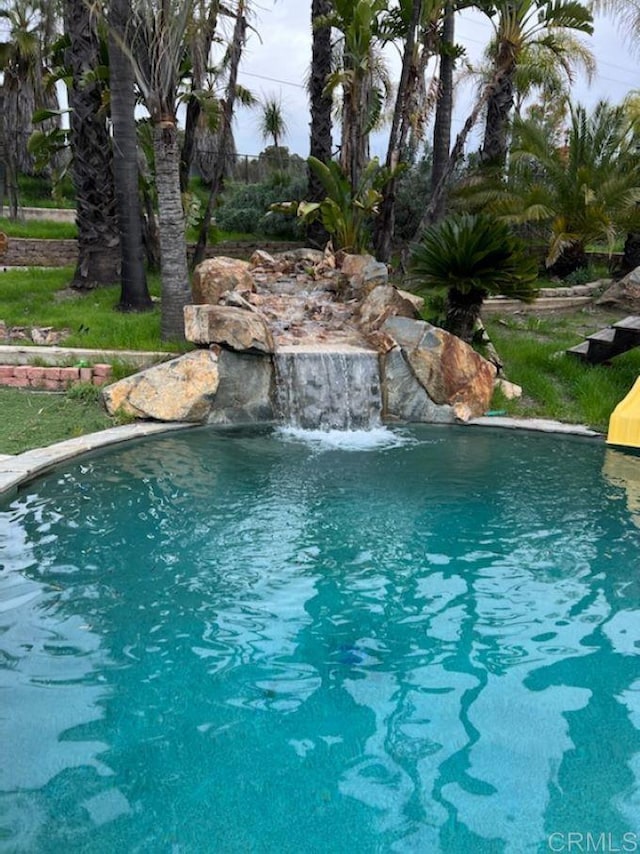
column 33, row 252
column 52, row 378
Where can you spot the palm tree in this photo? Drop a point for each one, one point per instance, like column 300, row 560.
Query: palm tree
column 98, row 237
column 362, row 77
column 134, row 295
column 519, row 24
column 272, row 122
column 158, row 30
column 31, row 28
column 320, row 144
column 225, row 134
column 400, row 123
column 201, row 36
column 585, row 191
column 444, row 108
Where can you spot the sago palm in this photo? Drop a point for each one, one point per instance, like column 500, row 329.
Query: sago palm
column 471, row 256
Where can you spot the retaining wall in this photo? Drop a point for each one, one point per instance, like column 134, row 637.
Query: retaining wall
column 34, row 252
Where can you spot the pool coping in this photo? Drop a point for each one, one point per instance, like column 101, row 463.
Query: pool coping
column 21, row 468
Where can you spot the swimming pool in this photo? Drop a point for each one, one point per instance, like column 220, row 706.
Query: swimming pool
column 241, row 641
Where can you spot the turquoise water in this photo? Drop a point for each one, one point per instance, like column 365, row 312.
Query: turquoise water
column 247, row 643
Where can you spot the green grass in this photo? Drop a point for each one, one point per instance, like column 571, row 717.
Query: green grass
column 42, row 298
column 40, row 229
column 556, row 385
column 35, row 419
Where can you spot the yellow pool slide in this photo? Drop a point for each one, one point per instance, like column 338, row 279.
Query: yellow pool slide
column 624, row 424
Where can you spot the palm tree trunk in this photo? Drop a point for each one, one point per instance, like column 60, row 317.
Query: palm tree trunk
column 176, row 290
column 496, row 135
column 200, row 50
column 237, row 44
column 463, row 312
column 385, row 222
column 428, row 217
column 134, row 295
column 320, row 142
column 98, row 239
column 444, row 110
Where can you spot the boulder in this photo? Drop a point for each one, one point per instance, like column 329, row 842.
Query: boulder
column 246, row 391
column 229, row 326
column 449, row 370
column 182, row 389
column 403, row 396
column 363, row 273
column 625, row 294
column 416, row 301
column 216, row 276
column 382, row 302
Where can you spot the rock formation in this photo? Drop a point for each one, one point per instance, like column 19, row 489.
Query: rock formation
column 248, row 315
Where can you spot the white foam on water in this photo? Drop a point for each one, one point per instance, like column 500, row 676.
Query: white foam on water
column 345, row 440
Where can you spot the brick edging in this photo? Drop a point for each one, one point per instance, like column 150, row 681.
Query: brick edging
column 52, row 378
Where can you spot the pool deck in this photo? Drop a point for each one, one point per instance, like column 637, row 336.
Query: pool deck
column 21, row 468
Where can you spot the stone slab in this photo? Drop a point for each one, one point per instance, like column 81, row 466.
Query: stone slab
column 16, row 355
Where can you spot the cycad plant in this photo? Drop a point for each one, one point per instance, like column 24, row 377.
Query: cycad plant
column 583, row 192
column 471, row 256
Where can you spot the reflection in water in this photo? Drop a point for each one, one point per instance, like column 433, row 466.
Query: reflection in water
column 433, row 647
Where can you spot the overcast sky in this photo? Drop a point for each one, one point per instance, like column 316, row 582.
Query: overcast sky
column 276, row 62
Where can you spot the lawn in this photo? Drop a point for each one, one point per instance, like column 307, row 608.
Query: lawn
column 33, row 419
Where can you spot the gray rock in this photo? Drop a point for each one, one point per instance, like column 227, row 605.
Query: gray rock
column 625, row 294
column 246, row 390
column 404, row 398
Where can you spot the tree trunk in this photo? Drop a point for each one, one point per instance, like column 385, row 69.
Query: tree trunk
column 98, row 239
column 631, row 258
column 385, row 222
column 463, row 312
column 321, row 103
column 237, row 44
column 176, row 290
column 444, row 111
column 134, row 295
column 428, row 217
column 200, row 49
column 496, row 134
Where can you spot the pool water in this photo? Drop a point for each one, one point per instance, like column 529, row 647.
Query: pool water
column 246, row 642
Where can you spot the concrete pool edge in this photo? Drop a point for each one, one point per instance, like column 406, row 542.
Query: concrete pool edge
column 21, row 468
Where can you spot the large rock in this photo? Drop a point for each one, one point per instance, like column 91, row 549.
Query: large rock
column 363, row 273
column 215, row 276
column 448, row 369
column 404, row 399
column 625, row 294
column 382, row 302
column 182, row 389
column 235, row 328
column 246, row 391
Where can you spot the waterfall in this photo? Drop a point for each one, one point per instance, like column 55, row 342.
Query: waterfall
column 328, row 388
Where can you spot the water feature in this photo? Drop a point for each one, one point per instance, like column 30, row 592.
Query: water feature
column 225, row 642
column 328, row 387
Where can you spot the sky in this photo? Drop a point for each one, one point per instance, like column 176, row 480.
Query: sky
column 278, row 55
